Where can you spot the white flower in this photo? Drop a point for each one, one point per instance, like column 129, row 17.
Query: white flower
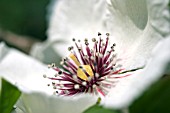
column 27, row 74
column 134, row 26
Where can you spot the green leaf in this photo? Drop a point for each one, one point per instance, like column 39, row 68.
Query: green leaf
column 155, row 100
column 8, row 97
column 99, row 109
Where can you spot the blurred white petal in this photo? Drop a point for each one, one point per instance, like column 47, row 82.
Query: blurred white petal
column 17, row 110
column 24, row 71
column 46, row 51
column 3, row 50
column 127, row 90
column 41, row 103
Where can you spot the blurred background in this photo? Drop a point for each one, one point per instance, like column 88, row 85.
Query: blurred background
column 23, row 22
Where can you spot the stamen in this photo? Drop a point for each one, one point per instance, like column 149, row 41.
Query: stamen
column 60, row 72
column 74, row 39
column 84, row 83
column 72, row 56
column 83, row 72
column 90, row 70
column 76, row 86
column 97, row 75
column 99, row 34
column 45, row 76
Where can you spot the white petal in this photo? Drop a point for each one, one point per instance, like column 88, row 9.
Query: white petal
column 46, row 52
column 27, row 73
column 24, row 71
column 71, row 18
column 134, row 26
column 76, row 18
column 127, row 90
column 3, row 50
column 159, row 16
column 40, row 103
column 17, row 110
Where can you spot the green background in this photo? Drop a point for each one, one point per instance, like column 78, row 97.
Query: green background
column 24, row 17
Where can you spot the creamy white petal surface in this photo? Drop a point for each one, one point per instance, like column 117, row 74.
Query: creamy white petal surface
column 136, row 26
column 41, row 103
column 127, row 90
column 71, row 18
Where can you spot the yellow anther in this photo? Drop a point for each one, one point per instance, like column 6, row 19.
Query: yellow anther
column 74, row 59
column 81, row 73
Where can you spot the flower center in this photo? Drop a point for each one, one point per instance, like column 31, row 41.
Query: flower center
column 88, row 69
